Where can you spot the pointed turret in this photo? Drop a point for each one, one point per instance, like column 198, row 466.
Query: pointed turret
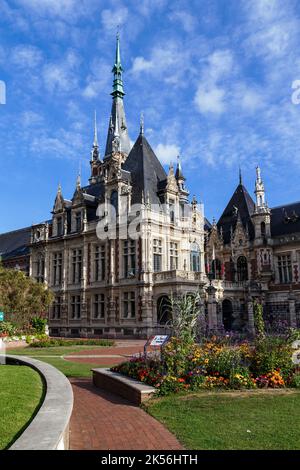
column 240, row 207
column 184, row 193
column 179, row 174
column 95, row 149
column 117, row 124
column 59, row 200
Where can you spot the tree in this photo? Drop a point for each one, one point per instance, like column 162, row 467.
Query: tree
column 22, row 298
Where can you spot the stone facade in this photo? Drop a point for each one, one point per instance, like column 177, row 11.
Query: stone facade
column 107, row 280
column 253, row 253
column 116, row 251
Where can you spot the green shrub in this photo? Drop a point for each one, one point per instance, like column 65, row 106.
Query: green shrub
column 7, row 328
column 39, row 325
column 272, row 353
column 224, row 362
column 295, row 380
column 177, row 355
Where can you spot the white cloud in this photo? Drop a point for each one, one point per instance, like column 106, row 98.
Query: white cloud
column 140, row 65
column 167, row 153
column 147, row 7
column 111, row 19
column 62, row 76
column 272, row 28
column 187, row 21
column 210, row 99
column 169, row 61
column 98, row 79
column 31, row 118
column 61, row 8
column 26, row 56
column 210, row 95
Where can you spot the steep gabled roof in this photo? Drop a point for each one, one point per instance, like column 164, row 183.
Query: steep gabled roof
column 15, row 243
column 285, row 219
column 146, row 171
column 240, row 204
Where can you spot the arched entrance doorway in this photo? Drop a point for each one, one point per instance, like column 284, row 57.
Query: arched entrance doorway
column 163, row 310
column 227, row 312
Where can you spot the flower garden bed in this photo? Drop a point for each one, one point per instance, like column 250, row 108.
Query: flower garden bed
column 217, row 364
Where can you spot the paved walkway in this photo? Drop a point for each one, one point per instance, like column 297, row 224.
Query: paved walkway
column 103, row 421
column 111, row 355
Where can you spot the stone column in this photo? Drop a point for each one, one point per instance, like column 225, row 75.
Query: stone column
column 212, row 308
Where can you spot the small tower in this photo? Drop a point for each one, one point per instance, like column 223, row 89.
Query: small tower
column 262, row 214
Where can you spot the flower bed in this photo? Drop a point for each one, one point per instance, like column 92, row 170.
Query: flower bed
column 216, row 364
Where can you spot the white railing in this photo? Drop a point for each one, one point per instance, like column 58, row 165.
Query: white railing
column 176, row 274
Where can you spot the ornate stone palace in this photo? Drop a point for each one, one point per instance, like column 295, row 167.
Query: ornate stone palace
column 123, row 244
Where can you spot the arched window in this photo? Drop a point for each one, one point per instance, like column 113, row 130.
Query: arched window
column 114, row 203
column 242, row 269
column 164, row 314
column 263, row 229
column 216, row 268
column 195, row 257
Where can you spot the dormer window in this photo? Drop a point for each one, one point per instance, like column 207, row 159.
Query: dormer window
column 59, row 224
column 172, row 210
column 78, row 218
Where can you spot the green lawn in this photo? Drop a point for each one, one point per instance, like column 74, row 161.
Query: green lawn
column 53, row 351
column 237, row 420
column 70, row 369
column 21, row 394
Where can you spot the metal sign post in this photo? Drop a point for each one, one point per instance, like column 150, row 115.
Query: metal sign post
column 157, row 340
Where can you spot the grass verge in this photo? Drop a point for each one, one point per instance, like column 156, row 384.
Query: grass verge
column 21, row 394
column 260, row 420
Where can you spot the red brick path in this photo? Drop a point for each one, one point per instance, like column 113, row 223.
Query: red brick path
column 103, row 421
column 122, row 351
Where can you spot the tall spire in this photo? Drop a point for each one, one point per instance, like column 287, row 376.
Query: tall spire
column 117, row 71
column 95, row 149
column 117, row 124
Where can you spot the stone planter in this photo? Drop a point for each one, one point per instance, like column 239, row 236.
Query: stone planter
column 134, row 391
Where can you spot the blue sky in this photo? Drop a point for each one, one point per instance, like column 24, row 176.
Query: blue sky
column 213, row 79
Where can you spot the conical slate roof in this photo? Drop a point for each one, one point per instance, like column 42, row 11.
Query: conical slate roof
column 117, row 120
column 146, row 171
column 241, row 204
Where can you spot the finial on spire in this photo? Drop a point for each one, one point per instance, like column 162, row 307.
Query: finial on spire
column 179, row 173
column 95, row 130
column 78, row 180
column 142, row 124
column 117, row 71
column 258, row 173
column 240, row 176
column 59, row 189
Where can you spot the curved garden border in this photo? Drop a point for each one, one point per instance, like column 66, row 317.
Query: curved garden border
column 49, row 429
